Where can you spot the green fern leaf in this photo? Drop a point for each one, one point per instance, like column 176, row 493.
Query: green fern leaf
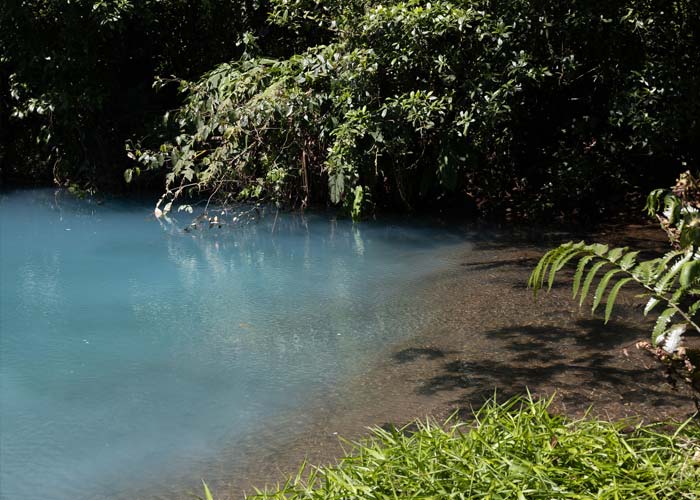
column 537, row 277
column 653, row 201
column 690, row 273
column 678, row 295
column 589, row 279
column 599, row 249
column 560, row 262
column 615, row 254
column 602, row 285
column 574, row 250
column 661, row 324
column 662, row 264
column 645, row 271
column 694, row 308
column 628, row 261
column 579, row 272
column 653, row 302
column 535, row 281
column 666, row 282
column 613, row 295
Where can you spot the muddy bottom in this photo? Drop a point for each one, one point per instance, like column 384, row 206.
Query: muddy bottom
column 493, row 338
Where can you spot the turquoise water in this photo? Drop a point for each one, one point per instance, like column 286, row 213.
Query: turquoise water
column 134, row 354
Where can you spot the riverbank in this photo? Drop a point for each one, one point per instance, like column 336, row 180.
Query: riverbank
column 491, row 337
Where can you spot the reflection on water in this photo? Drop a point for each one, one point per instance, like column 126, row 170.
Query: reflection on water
column 135, row 356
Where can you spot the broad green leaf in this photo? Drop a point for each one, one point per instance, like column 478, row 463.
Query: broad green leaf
column 336, row 183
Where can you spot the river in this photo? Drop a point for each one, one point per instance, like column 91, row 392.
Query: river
column 137, row 358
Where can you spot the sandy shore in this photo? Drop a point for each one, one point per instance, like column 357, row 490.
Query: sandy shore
column 491, row 337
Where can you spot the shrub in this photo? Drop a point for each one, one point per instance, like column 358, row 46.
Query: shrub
column 518, row 105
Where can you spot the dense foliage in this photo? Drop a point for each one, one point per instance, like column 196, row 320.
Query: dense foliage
column 671, row 281
column 521, row 105
column 514, row 450
column 76, row 76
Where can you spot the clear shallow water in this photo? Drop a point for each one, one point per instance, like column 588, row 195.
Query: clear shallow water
column 134, row 356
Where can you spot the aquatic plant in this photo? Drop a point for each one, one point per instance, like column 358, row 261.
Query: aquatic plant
column 516, row 449
column 671, row 281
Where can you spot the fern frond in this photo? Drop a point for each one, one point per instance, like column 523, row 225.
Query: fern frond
column 661, row 323
column 537, row 277
column 628, row 261
column 670, row 280
column 651, row 304
column 589, row 279
column 553, row 259
column 615, row 254
column 602, row 285
column 561, row 260
column 579, row 272
column 694, row 308
column 613, row 295
column 666, row 281
column 662, row 263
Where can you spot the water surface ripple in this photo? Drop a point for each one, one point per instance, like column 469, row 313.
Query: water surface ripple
column 133, row 357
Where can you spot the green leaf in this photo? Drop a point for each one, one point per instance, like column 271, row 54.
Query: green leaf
column 694, row 308
column 589, row 279
column 602, row 285
column 661, row 323
column 690, row 272
column 537, row 277
column 579, row 273
column 653, row 302
column 666, row 282
column 672, row 207
column 615, row 254
column 628, row 261
column 560, row 262
column 599, row 249
column 357, row 203
column 128, row 175
column 613, row 295
column 336, row 183
column 207, row 493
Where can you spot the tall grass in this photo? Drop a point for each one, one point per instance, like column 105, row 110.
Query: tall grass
column 514, row 450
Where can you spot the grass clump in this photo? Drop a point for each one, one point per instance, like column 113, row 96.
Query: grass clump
column 514, row 450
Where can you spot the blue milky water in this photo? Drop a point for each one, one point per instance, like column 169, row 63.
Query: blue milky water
column 130, row 350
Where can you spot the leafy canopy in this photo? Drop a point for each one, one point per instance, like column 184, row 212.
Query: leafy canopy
column 518, row 104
